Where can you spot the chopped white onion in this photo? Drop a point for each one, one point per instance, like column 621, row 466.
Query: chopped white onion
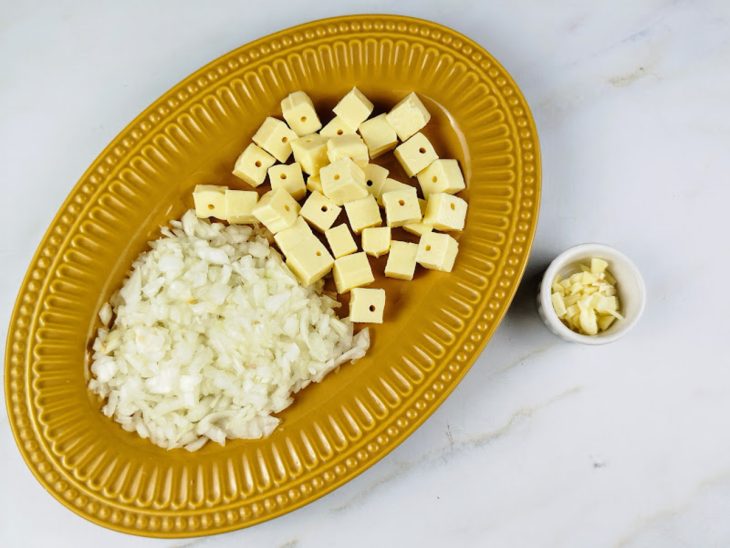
column 211, row 336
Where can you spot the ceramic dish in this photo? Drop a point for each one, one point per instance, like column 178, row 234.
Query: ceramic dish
column 630, row 287
column 335, row 430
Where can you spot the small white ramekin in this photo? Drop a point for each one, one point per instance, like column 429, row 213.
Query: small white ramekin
column 629, row 285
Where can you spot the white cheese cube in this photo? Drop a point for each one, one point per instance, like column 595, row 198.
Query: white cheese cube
column 367, row 305
column 445, row 212
column 343, row 181
column 252, row 164
column 309, row 261
column 378, row 135
column 288, row 177
column 275, row 137
column 240, row 205
column 419, row 229
column 389, row 185
column 354, row 108
column 348, row 146
column 401, row 207
column 441, row 176
column 437, row 251
column 340, row 240
column 352, row 271
column 376, row 240
column 416, row 154
column 320, row 211
column 408, row 116
column 314, row 184
column 401, row 260
column 336, row 127
column 300, row 114
column 210, row 201
column 277, row 210
column 363, row 213
column 310, row 152
column 375, row 177
column 291, row 238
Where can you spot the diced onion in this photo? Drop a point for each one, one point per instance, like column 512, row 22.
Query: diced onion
column 211, row 336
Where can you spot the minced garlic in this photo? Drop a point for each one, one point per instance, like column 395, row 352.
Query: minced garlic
column 587, row 301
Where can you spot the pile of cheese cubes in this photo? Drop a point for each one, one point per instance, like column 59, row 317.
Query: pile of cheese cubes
column 586, row 301
column 336, row 159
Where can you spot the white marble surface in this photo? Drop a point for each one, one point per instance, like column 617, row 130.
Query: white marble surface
column 543, row 443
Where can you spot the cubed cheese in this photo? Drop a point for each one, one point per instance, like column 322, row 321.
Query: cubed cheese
column 337, row 126
column 416, row 154
column 299, row 113
column 354, row 108
column 348, row 146
column 437, row 251
column 310, row 260
column 252, row 164
column 310, row 152
column 419, row 229
column 389, row 185
column 363, row 213
column 401, row 260
column 343, row 181
column 375, row 177
column 277, row 210
column 367, row 305
column 288, row 177
column 314, row 184
column 291, row 238
column 408, row 116
column 340, row 240
column 401, row 207
column 275, row 137
column 378, row 135
column 320, row 211
column 376, row 240
column 441, row 176
column 240, row 205
column 352, row 271
column 445, row 212
column 210, row 201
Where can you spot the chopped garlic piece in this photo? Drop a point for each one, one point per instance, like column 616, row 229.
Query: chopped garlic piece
column 598, row 265
column 559, row 305
column 588, row 322
column 604, row 322
column 586, row 301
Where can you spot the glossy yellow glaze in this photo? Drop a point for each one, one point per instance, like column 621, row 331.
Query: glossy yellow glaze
column 434, row 327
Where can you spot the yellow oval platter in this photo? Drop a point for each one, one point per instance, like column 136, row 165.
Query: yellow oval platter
column 434, row 329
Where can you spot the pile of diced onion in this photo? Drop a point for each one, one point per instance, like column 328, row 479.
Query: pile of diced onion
column 210, row 335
